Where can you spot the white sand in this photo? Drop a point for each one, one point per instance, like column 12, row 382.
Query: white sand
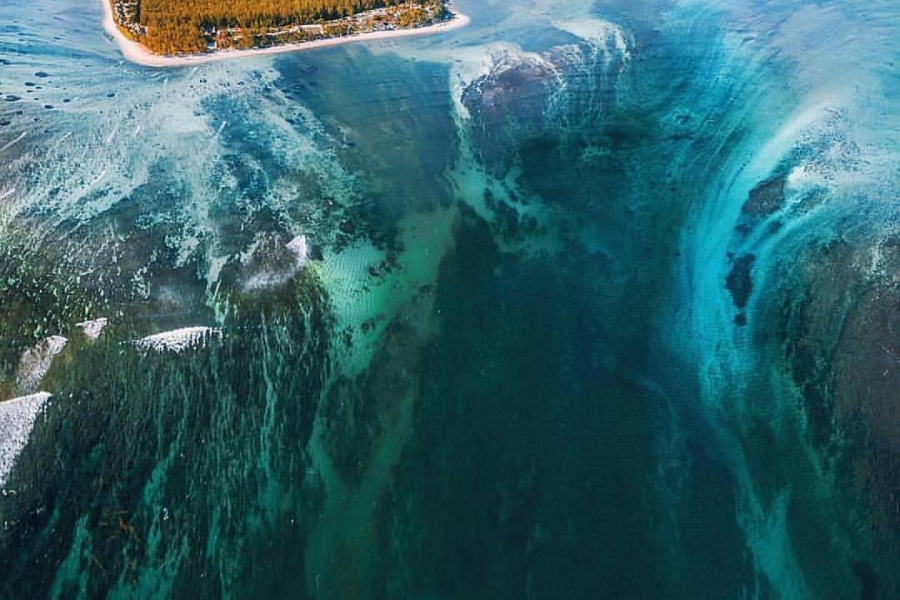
column 177, row 339
column 92, row 329
column 35, row 363
column 299, row 247
column 17, row 417
column 137, row 53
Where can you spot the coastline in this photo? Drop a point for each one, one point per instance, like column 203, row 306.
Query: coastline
column 137, row 53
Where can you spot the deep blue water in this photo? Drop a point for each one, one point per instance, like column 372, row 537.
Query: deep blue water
column 595, row 301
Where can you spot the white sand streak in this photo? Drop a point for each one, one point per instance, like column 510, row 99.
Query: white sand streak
column 14, row 142
column 35, row 363
column 177, row 339
column 93, row 329
column 299, row 247
column 17, row 418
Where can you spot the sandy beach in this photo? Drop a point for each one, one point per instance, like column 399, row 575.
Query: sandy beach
column 137, row 53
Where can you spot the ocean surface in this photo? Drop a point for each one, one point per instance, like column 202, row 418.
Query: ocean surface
column 586, row 300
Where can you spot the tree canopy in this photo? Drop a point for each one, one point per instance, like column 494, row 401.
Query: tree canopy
column 192, row 26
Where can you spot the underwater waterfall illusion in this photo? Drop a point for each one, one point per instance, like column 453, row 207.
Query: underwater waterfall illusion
column 584, row 300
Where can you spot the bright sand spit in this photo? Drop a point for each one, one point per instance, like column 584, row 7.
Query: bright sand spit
column 137, row 53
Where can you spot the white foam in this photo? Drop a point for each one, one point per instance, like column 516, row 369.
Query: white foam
column 608, row 36
column 177, row 339
column 17, row 418
column 35, row 363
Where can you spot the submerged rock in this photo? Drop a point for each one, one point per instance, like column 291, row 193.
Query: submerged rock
column 766, row 198
column 740, row 281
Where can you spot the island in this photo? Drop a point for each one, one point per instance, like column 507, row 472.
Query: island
column 178, row 32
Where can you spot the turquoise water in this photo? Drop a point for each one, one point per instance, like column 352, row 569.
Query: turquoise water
column 580, row 301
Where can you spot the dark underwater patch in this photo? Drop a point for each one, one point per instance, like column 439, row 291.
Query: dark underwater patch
column 766, row 198
column 740, row 279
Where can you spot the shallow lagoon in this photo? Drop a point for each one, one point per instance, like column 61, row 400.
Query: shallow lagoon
column 597, row 302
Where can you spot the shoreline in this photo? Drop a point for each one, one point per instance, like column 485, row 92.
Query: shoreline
column 137, row 53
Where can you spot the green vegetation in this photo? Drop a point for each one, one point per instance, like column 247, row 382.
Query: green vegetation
column 195, row 26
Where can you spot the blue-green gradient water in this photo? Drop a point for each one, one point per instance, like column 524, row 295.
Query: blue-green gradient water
column 585, row 300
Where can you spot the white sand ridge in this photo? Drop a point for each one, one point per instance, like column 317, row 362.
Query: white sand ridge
column 17, row 419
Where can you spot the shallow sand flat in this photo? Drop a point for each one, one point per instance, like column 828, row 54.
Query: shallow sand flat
column 137, row 53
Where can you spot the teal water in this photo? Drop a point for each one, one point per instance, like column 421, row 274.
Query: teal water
column 580, row 301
